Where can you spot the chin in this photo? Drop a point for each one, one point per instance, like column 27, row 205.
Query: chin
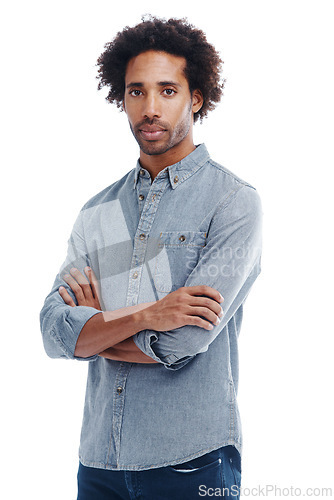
column 154, row 149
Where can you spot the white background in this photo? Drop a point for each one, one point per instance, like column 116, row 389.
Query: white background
column 62, row 143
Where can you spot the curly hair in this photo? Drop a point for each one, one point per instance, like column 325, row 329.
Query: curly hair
column 174, row 36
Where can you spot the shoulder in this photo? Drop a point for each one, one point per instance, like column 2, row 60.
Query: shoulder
column 111, row 192
column 238, row 213
column 229, row 177
column 235, row 194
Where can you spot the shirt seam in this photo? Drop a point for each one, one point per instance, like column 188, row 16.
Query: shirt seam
column 230, row 174
column 221, row 205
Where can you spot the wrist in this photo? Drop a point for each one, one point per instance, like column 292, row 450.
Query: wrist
column 141, row 319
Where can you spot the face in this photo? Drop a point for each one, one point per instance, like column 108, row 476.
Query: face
column 158, row 102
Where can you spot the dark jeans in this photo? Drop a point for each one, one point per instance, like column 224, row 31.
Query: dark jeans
column 216, row 474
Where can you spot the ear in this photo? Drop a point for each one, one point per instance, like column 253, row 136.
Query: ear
column 197, row 99
column 123, row 105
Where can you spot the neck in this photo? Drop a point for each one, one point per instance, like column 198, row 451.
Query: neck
column 155, row 163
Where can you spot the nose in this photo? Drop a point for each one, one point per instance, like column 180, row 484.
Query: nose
column 151, row 106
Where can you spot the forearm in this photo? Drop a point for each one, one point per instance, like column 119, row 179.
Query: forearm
column 127, row 351
column 109, row 328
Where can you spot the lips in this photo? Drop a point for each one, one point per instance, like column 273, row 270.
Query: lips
column 151, row 133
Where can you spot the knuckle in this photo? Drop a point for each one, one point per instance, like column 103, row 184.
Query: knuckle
column 179, row 309
column 201, row 323
column 191, row 320
column 78, row 292
column 207, row 303
column 68, row 300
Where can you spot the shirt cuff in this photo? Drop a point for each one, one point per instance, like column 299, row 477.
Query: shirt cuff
column 67, row 329
column 145, row 341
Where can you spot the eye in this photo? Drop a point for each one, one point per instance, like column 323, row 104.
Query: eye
column 169, row 92
column 135, row 92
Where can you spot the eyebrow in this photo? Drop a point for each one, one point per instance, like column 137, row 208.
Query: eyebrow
column 160, row 84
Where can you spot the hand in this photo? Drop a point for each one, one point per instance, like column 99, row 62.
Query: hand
column 185, row 306
column 86, row 292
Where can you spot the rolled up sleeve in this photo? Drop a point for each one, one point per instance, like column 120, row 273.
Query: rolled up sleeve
column 229, row 262
column 61, row 324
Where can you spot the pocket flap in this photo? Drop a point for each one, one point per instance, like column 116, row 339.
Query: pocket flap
column 182, row 238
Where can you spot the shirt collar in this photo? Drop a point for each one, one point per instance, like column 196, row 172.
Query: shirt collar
column 181, row 170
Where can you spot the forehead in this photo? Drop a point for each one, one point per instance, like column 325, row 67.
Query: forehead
column 155, row 66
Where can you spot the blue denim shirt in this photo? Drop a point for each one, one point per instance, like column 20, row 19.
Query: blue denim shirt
column 196, row 223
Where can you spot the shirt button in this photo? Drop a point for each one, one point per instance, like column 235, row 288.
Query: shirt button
column 182, row 238
column 142, row 236
column 119, row 390
column 153, row 197
column 135, row 275
column 142, row 171
column 176, row 179
column 141, row 196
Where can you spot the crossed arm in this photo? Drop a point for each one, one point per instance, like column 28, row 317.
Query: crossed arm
column 183, row 307
column 87, row 294
column 230, row 261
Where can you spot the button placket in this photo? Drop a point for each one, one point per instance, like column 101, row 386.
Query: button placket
column 143, row 188
column 146, row 220
column 118, row 405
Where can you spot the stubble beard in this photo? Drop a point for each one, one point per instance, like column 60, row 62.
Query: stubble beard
column 174, row 137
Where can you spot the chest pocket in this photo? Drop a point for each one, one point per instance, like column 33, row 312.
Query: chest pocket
column 178, row 254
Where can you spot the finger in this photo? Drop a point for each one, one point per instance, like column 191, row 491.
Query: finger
column 197, row 321
column 206, row 291
column 83, row 282
column 207, row 302
column 76, row 288
column 93, row 282
column 66, row 296
column 205, row 313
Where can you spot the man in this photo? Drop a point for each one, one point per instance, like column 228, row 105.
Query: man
column 151, row 260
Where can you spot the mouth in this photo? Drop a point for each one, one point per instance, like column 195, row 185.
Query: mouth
column 151, row 133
